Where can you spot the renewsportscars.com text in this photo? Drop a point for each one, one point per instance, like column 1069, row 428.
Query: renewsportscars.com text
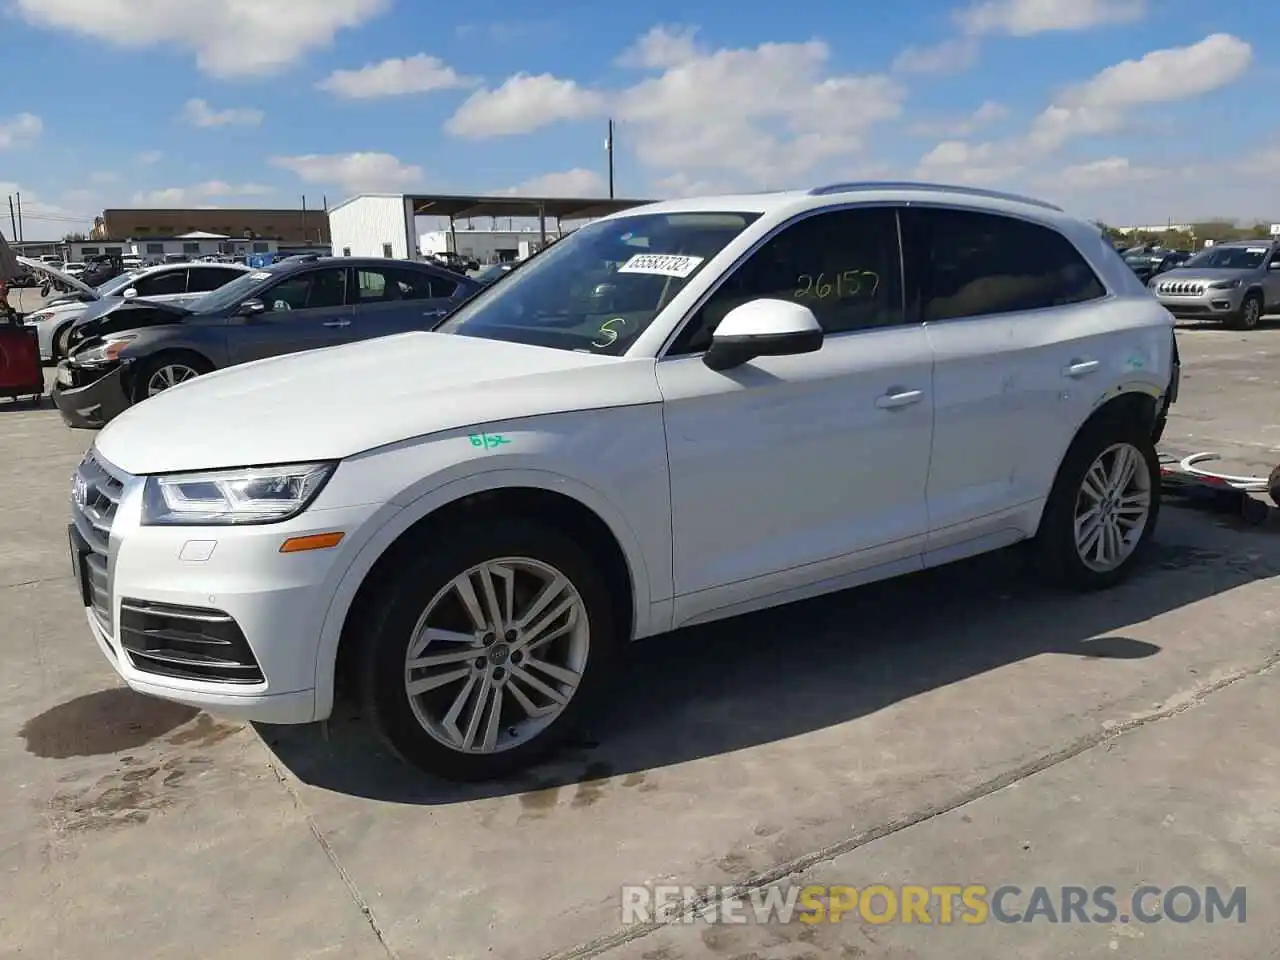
column 939, row 904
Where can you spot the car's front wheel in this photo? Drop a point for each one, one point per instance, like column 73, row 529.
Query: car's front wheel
column 1103, row 506
column 482, row 653
column 166, row 370
column 1250, row 312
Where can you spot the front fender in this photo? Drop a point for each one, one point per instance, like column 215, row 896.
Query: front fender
column 391, row 522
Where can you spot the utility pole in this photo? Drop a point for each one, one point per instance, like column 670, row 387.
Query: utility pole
column 21, row 234
column 13, row 222
column 304, row 218
column 608, row 146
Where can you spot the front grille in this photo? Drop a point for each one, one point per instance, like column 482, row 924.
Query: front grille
column 1182, row 288
column 97, row 491
column 190, row 643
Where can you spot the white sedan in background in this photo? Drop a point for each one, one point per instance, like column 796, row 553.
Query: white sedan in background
column 173, row 282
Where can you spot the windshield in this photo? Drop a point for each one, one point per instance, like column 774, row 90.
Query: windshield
column 116, row 284
column 1228, row 258
column 599, row 288
column 230, row 294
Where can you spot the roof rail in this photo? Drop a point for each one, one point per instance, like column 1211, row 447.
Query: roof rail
column 870, row 185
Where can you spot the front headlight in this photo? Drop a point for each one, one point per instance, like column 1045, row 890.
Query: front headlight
column 40, row 317
column 108, row 351
column 1224, row 284
column 240, row 496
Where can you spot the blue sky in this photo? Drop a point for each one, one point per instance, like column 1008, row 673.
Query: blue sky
column 1121, row 110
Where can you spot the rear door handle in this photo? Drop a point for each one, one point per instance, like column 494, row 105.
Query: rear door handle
column 899, row 398
column 1079, row 368
column 337, row 323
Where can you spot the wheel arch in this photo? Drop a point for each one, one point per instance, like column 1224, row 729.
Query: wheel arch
column 571, row 505
column 1137, row 403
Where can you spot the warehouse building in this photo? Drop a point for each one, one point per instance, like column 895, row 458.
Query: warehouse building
column 386, row 224
column 292, row 226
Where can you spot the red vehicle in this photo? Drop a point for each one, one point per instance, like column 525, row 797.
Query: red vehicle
column 21, row 374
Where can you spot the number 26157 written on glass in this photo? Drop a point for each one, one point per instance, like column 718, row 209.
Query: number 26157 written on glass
column 850, row 283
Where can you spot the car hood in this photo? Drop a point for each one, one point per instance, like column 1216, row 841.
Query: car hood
column 332, row 403
column 39, row 267
column 1202, row 275
column 112, row 314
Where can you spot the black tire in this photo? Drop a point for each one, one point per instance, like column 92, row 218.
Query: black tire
column 60, row 342
column 147, row 368
column 1054, row 547
column 1250, row 312
column 393, row 613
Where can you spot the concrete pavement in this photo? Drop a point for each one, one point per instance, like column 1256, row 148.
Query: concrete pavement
column 917, row 731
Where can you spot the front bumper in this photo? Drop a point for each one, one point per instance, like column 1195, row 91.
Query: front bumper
column 89, row 398
column 1203, row 301
column 213, row 617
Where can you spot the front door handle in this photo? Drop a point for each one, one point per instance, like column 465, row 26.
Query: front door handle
column 1080, row 368
column 434, row 313
column 899, row 398
column 337, row 323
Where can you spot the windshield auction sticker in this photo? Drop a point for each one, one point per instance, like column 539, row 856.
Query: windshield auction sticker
column 661, row 265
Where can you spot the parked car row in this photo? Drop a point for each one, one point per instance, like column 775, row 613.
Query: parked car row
column 124, row 351
column 679, row 413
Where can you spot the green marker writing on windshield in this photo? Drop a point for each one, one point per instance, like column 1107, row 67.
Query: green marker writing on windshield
column 487, row 440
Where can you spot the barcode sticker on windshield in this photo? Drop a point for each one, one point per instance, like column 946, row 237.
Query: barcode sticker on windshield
column 261, row 275
column 1257, row 250
column 661, row 264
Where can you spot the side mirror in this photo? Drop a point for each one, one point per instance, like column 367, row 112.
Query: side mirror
column 130, row 294
column 763, row 328
column 44, row 290
column 251, row 308
column 1275, row 264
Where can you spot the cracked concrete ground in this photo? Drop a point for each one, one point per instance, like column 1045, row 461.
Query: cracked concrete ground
column 966, row 726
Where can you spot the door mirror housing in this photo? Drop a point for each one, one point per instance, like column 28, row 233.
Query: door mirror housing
column 763, row 328
column 251, row 308
column 1275, row 264
column 130, row 294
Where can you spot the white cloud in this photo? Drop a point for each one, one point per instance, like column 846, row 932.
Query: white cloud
column 354, row 172
column 949, row 56
column 574, row 183
column 150, row 157
column 229, row 37
column 987, row 113
column 394, row 77
column 20, row 131
column 104, row 176
column 1104, row 174
column 767, row 114
column 1102, row 104
column 983, row 164
column 199, row 194
column 1025, row 18
column 662, row 47
column 198, row 113
column 523, row 104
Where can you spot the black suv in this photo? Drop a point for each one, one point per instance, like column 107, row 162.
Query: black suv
column 142, row 347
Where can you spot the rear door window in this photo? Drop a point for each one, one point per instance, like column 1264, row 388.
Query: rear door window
column 968, row 264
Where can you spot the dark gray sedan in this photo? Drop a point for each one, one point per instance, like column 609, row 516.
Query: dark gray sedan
column 140, row 348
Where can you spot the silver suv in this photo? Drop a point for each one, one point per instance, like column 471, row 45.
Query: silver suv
column 1235, row 282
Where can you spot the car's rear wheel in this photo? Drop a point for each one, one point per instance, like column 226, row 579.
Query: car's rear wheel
column 1103, row 506
column 166, row 370
column 483, row 652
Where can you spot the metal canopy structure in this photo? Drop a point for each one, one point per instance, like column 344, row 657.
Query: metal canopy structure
column 561, row 208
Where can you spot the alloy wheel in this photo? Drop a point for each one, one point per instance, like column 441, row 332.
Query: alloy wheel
column 170, row 375
column 1112, row 507
column 497, row 655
